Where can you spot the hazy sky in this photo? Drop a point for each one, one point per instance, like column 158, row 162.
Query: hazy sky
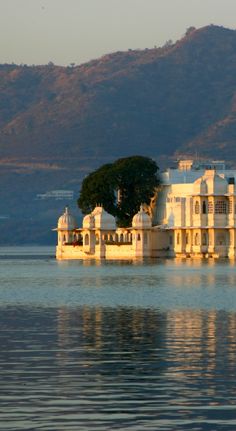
column 66, row 31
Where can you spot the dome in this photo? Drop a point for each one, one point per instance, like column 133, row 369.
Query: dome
column 67, row 221
column 88, row 221
column 103, row 220
column 200, row 186
column 142, row 220
column 215, row 184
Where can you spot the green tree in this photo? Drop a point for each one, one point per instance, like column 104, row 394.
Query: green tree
column 133, row 178
column 98, row 189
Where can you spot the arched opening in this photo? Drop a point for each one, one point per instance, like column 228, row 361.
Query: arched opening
column 187, row 239
column 197, row 208
column 204, row 238
column 178, row 238
column 86, row 239
column 204, row 207
column 121, row 237
column 138, row 237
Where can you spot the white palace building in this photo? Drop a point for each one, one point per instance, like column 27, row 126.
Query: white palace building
column 194, row 215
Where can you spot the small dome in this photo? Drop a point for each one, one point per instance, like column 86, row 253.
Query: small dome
column 200, row 186
column 88, row 221
column 142, row 220
column 67, row 221
column 103, row 220
column 215, row 183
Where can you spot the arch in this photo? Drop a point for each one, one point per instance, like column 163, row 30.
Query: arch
column 204, row 238
column 121, row 237
column 138, row 237
column 86, row 239
column 204, row 207
column 197, row 208
column 178, row 238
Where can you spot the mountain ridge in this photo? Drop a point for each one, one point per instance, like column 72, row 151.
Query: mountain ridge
column 59, row 123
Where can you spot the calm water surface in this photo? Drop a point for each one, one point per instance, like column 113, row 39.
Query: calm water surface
column 116, row 346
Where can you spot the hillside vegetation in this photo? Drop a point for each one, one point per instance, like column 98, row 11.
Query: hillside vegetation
column 59, row 123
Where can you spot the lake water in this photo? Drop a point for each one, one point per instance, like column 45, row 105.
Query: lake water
column 116, row 346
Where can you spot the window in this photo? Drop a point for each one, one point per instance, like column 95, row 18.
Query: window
column 230, row 206
column 220, row 207
column 197, row 208
column 177, row 199
column 138, row 237
column 204, row 207
column 196, row 239
column 187, row 238
column 121, row 237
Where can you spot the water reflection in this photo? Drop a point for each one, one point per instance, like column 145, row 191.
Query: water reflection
column 125, row 368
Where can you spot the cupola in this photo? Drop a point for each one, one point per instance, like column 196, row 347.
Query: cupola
column 103, row 220
column 67, row 221
column 141, row 220
column 215, row 183
column 88, row 222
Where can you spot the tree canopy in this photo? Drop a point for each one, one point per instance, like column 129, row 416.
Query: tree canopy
column 120, row 187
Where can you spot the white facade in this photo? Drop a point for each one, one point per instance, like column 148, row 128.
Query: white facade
column 199, row 210
column 195, row 216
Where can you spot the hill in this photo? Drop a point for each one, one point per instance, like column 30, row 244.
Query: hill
column 59, row 123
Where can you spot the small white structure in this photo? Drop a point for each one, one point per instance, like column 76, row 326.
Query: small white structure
column 100, row 237
column 195, row 216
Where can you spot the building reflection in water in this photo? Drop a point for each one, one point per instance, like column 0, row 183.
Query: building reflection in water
column 184, row 344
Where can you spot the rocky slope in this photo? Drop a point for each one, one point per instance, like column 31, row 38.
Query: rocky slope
column 58, row 123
